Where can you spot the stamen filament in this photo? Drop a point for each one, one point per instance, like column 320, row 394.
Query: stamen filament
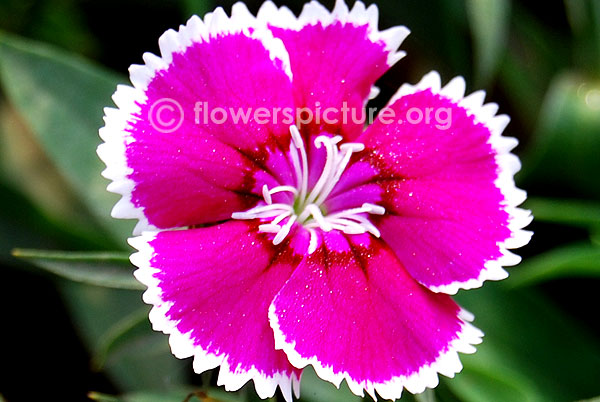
column 259, row 212
column 280, row 189
column 267, row 194
column 318, row 217
column 327, row 169
column 269, row 228
column 285, row 230
column 299, row 145
column 312, row 243
column 307, row 208
column 281, row 217
column 338, row 173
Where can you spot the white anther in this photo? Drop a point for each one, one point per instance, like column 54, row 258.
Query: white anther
column 336, row 140
column 242, row 215
column 266, row 194
column 364, row 222
column 348, row 226
column 318, row 217
column 341, row 164
column 300, row 162
column 312, row 243
column 352, row 147
column 327, row 169
column 374, row 209
column 281, row 217
column 269, row 228
column 262, row 211
column 280, row 189
column 349, row 212
column 296, row 137
column 284, row 231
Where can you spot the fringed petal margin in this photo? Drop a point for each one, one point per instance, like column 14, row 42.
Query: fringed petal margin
column 354, row 313
column 333, row 95
column 163, row 143
column 214, row 304
column 446, row 178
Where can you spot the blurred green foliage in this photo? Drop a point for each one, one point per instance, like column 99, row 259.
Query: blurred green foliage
column 543, row 69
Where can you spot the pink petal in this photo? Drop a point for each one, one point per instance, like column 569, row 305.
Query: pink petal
column 352, row 311
column 336, row 57
column 211, row 289
column 447, row 186
column 199, row 169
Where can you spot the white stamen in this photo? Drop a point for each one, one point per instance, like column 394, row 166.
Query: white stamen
column 349, row 212
column 319, row 218
column 281, row 217
column 374, row 209
column 285, row 230
column 280, row 189
column 332, row 181
column 297, row 165
column 347, row 226
column 309, row 208
column 353, row 147
column 303, row 160
column 269, row 228
column 262, row 211
column 296, row 137
column 267, row 194
column 335, row 140
column 323, row 141
column 312, row 243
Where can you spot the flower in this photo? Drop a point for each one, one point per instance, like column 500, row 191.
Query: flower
column 267, row 246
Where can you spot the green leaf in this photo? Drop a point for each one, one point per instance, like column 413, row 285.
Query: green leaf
column 25, row 166
column 139, row 361
column 581, row 259
column 61, row 97
column 596, row 399
column 426, row 396
column 489, row 21
column 196, row 7
column 531, row 350
column 98, row 396
column 487, row 378
column 173, row 396
column 596, row 22
column 565, row 211
column 21, row 223
column 563, row 156
column 536, row 53
column 595, row 236
column 146, row 363
column 179, row 395
column 123, row 330
column 106, row 269
column 584, row 18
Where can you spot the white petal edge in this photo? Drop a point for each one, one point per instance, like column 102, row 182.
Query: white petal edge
column 182, row 346
column 117, row 121
column 215, row 24
column 447, row 363
column 315, row 13
column 113, row 153
column 508, row 164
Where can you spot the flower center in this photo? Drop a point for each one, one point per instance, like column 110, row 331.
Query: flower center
column 307, row 208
